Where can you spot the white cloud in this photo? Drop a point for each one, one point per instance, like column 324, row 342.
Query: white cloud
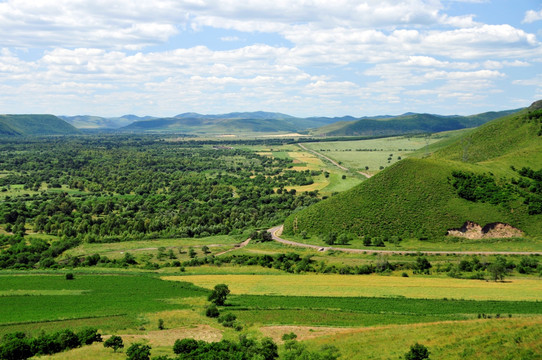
column 532, row 16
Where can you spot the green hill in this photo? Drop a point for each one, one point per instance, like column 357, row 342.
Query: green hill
column 471, row 179
column 409, row 123
column 34, row 125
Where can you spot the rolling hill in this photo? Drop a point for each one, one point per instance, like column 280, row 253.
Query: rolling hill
column 97, row 122
column 34, row 125
column 408, row 123
column 244, row 122
column 470, row 180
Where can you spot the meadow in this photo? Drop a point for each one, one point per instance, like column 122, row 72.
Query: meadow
column 28, row 299
column 374, row 153
column 516, row 289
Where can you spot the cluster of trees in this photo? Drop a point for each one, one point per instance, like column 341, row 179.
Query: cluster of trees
column 480, row 188
column 137, row 188
column 483, row 188
column 17, row 346
column 531, row 185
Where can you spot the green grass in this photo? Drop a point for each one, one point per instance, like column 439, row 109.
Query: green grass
column 145, row 247
column 345, row 151
column 340, row 318
column 102, row 296
column 496, row 339
column 414, row 198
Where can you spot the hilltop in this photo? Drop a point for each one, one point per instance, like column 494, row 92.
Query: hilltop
column 34, row 125
column 487, row 176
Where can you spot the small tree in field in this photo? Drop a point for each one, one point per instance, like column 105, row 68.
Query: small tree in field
column 114, row 342
column 139, row 352
column 219, row 294
column 417, row 352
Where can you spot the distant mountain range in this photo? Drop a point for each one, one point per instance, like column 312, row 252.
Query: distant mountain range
column 243, row 123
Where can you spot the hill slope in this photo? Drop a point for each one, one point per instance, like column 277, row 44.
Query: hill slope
column 409, row 123
column 34, row 125
column 427, row 197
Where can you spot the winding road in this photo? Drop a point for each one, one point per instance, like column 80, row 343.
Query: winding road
column 277, row 231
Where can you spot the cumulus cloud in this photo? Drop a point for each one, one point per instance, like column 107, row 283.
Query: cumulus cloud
column 532, row 16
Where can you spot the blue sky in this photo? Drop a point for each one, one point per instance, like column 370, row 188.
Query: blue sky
column 303, row 58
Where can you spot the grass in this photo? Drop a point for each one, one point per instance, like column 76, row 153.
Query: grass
column 371, row 286
column 102, row 296
column 374, row 152
column 145, row 247
column 516, row 338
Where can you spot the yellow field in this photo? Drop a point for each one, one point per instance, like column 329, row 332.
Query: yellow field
column 371, row 286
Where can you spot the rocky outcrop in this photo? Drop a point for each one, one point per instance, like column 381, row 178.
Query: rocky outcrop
column 472, row 230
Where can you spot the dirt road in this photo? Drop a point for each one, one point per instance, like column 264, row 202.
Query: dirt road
column 277, row 231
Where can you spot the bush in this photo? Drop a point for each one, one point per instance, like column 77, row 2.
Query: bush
column 138, row 352
column 212, row 311
column 417, row 352
column 114, row 342
column 69, row 276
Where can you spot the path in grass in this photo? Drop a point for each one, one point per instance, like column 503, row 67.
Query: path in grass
column 324, row 157
column 332, row 161
column 277, row 231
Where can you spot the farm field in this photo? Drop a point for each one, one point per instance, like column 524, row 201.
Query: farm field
column 375, row 286
column 374, row 153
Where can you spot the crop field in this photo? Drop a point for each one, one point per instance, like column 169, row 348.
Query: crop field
column 39, row 298
column 371, row 286
column 374, row 153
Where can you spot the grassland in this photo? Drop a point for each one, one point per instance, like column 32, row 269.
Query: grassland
column 374, row 153
column 516, row 338
column 144, row 248
column 27, row 299
column 377, row 286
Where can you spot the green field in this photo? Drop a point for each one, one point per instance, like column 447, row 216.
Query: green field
column 374, row 153
column 44, row 298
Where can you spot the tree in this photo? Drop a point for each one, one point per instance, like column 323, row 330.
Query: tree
column 114, row 342
column 212, row 311
column 417, row 352
column 219, row 294
column 184, row 346
column 497, row 270
column 138, row 352
column 205, row 249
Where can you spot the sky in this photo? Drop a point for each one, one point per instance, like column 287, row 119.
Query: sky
column 299, row 57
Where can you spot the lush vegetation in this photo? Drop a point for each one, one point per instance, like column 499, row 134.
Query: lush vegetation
column 411, row 123
column 17, row 346
column 117, row 189
column 419, row 197
column 34, row 125
column 52, row 297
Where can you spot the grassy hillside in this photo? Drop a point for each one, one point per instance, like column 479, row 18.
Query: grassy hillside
column 34, row 125
column 418, row 198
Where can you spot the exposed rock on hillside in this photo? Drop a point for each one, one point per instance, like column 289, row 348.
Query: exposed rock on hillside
column 471, row 230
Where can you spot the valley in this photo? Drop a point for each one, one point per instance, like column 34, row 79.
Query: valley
column 130, row 235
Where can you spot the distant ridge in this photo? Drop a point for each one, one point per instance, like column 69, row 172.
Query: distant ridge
column 34, row 125
column 409, row 123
